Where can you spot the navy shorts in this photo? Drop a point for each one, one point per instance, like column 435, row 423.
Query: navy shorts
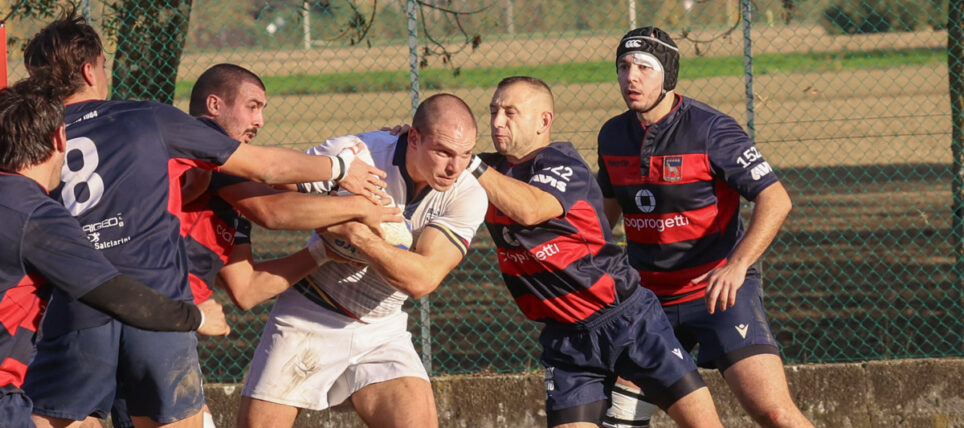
column 727, row 336
column 633, row 340
column 77, row 374
column 15, row 409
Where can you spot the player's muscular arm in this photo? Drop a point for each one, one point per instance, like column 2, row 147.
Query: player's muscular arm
column 278, row 165
column 249, row 283
column 771, row 208
column 278, row 209
column 613, row 211
column 523, row 203
column 416, row 273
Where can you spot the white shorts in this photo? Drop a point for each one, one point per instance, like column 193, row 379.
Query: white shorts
column 312, row 358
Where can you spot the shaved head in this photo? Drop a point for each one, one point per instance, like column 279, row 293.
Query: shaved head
column 443, row 111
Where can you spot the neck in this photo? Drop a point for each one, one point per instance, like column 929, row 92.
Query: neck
column 530, row 154
column 656, row 113
column 88, row 93
column 43, row 174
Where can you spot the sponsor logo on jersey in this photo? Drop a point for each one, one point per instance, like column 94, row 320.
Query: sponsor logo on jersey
column 761, row 170
column 660, row 224
column 522, row 256
column 92, row 229
column 551, row 181
column 509, row 238
column 673, row 168
column 645, row 201
column 678, row 353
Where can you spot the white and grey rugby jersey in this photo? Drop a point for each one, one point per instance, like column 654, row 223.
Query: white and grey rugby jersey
column 361, row 293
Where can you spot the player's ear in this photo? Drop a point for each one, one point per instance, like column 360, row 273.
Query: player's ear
column 545, row 122
column 60, row 139
column 213, row 104
column 88, row 71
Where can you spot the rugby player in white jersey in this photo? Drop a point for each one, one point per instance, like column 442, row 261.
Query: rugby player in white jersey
column 338, row 338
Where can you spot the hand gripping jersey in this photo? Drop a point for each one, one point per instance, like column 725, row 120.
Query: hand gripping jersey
column 116, row 183
column 42, row 244
column 359, row 292
column 679, row 183
column 566, row 269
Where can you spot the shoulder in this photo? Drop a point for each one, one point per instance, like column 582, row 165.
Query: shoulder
column 620, row 124
column 698, row 113
column 22, row 195
column 561, row 153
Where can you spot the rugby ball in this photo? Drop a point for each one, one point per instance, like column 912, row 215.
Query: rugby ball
column 397, row 234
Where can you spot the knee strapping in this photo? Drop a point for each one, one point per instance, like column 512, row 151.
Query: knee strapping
column 629, row 408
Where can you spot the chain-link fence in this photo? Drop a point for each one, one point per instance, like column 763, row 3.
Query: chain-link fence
column 847, row 99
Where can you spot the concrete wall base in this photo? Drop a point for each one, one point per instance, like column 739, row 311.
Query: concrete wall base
column 907, row 393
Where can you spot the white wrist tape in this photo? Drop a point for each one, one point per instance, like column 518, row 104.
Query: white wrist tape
column 318, row 252
column 202, row 319
column 343, row 161
column 476, row 166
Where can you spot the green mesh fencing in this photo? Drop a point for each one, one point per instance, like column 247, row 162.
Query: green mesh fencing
column 849, row 100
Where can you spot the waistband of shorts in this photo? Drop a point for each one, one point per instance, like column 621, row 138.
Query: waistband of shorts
column 606, row 314
column 311, row 291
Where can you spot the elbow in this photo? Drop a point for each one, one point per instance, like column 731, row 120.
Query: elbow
column 262, row 215
column 419, row 289
column 531, row 219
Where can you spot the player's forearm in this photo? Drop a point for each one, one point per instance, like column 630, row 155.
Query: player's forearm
column 277, row 165
column 298, row 211
column 249, row 284
column 138, row 305
column 411, row 273
column 523, row 203
column 771, row 208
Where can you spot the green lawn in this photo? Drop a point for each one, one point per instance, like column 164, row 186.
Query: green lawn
column 588, row 72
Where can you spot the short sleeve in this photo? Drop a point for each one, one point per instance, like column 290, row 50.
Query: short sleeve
column 564, row 177
column 735, row 160
column 187, row 137
column 55, row 246
column 465, row 213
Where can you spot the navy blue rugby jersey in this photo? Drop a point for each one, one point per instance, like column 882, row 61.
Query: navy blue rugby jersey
column 116, row 183
column 42, row 245
column 567, row 269
column 679, row 183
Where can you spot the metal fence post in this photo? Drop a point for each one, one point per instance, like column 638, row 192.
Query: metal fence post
column 748, row 68
column 955, row 75
column 423, row 303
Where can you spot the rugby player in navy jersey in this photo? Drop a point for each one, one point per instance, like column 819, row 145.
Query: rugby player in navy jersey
column 559, row 262
column 675, row 169
column 116, row 183
column 44, row 246
column 231, row 100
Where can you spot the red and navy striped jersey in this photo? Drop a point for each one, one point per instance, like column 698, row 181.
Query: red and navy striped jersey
column 42, row 245
column 679, row 183
column 117, row 185
column 567, row 269
column 211, row 228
